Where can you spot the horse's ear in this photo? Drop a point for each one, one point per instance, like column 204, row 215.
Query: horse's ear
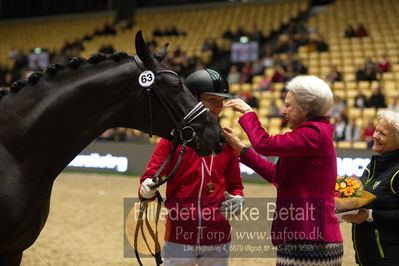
column 143, row 52
column 161, row 54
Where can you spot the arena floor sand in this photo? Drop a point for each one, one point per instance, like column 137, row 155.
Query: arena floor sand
column 85, row 225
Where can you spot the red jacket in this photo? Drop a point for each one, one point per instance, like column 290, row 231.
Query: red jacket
column 304, row 176
column 192, row 191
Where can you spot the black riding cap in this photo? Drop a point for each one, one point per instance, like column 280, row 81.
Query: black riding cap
column 208, row 81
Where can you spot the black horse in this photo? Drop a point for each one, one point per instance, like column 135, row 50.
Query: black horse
column 48, row 120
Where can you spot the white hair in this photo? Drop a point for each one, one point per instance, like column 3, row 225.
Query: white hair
column 312, row 94
column 392, row 118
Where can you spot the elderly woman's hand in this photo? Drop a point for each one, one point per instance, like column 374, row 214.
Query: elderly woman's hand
column 232, row 139
column 239, row 106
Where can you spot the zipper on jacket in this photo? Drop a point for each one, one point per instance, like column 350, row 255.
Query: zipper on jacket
column 372, row 176
column 377, row 239
column 355, row 244
column 199, row 231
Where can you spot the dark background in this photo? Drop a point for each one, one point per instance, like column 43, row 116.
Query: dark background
column 33, row 8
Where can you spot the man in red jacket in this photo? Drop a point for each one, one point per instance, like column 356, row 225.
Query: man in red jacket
column 201, row 189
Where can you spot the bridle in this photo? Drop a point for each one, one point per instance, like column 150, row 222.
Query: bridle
column 182, row 127
column 182, row 130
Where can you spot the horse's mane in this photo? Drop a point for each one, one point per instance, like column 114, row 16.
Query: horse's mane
column 53, row 69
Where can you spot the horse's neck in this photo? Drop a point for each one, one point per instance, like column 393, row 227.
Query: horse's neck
column 48, row 124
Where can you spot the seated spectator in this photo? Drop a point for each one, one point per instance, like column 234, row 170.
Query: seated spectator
column 273, row 109
column 257, row 68
column 209, row 45
column 352, row 132
column 290, row 46
column 340, row 128
column 265, row 84
column 360, row 100
column 394, row 106
column 267, row 58
column 377, row 99
column 234, row 76
column 246, row 72
column 338, row 107
column 157, row 32
column 360, row 74
column 277, row 75
column 250, row 100
column 368, row 132
column 361, row 31
column 333, row 75
column 370, row 74
column 238, row 33
column 255, row 34
column 350, row 31
column 383, row 64
column 289, row 73
column 227, row 34
column 301, row 27
column 311, row 46
column 299, row 67
column 321, row 45
column 369, row 63
column 302, row 39
column 170, row 30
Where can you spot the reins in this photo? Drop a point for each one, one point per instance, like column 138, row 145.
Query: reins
column 181, row 129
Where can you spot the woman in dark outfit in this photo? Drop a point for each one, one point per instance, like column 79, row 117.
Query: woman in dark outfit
column 375, row 229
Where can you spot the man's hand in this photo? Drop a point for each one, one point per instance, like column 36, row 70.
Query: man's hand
column 232, row 205
column 145, row 190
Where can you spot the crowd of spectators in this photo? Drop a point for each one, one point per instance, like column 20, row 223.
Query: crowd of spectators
column 361, row 101
column 169, row 30
column 351, row 131
column 300, row 35
column 280, row 60
column 255, row 34
column 282, row 70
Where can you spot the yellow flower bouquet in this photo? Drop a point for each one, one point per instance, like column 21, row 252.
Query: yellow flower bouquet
column 350, row 195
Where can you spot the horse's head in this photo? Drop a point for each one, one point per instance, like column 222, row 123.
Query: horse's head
column 173, row 111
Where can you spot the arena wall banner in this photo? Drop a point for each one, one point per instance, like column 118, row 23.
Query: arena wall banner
column 132, row 158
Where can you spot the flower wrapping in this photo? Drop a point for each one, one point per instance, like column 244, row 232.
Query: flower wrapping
column 350, row 195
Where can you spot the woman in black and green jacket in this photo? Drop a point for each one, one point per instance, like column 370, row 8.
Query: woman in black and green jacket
column 375, row 231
